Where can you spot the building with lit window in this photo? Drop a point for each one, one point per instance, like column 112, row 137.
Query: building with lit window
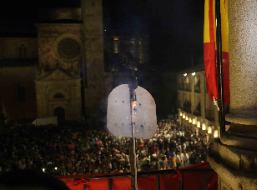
column 196, row 111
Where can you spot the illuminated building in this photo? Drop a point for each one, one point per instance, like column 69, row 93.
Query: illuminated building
column 194, row 102
column 66, row 68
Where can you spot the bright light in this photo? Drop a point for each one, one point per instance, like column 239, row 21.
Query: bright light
column 209, row 130
column 194, row 121
column 43, row 169
column 55, row 168
column 190, row 120
column 216, row 134
column 193, row 73
column 198, row 124
column 105, row 30
column 186, row 117
column 185, row 74
column 203, row 126
column 181, row 114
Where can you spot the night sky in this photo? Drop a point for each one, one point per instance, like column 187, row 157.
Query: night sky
column 175, row 27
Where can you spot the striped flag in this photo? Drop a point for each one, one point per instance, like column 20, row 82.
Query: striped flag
column 210, row 49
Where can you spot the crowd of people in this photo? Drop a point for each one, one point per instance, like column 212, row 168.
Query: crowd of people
column 74, row 150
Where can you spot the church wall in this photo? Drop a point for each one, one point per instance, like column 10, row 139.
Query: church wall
column 48, row 37
column 71, row 103
column 11, row 48
column 59, row 14
column 18, row 108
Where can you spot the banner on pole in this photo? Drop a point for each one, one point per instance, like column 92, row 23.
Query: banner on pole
column 210, row 49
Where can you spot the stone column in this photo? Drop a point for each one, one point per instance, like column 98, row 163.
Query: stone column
column 234, row 155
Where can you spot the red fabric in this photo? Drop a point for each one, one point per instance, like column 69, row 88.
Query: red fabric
column 210, row 58
column 210, row 63
column 210, row 70
column 192, row 180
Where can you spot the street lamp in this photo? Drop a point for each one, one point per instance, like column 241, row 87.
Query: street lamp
column 194, row 121
column 209, row 130
column 203, row 126
column 216, row 134
column 198, row 124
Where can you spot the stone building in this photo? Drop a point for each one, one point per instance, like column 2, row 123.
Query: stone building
column 65, row 69
column 196, row 111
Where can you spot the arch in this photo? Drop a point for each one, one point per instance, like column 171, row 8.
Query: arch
column 58, row 96
column 53, row 93
column 60, row 113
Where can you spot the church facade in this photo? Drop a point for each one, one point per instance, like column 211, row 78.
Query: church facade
column 61, row 71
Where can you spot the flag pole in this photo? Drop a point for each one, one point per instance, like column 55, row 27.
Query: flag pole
column 220, row 67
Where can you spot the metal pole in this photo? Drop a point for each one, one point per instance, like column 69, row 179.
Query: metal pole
column 220, row 66
column 182, row 182
column 110, row 184
column 157, row 182
column 205, row 181
column 133, row 161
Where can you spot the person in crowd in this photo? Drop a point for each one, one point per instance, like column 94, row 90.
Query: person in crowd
column 75, row 150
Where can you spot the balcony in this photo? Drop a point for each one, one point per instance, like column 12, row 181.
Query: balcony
column 185, row 106
column 184, row 86
column 209, row 114
column 197, row 88
column 188, row 87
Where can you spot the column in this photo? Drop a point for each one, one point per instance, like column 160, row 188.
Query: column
column 234, row 155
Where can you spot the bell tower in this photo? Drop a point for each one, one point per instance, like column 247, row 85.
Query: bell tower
column 93, row 54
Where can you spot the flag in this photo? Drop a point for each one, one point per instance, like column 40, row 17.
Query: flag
column 210, row 49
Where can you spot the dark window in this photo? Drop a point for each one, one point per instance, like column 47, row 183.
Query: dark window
column 22, row 51
column 58, row 95
column 21, row 92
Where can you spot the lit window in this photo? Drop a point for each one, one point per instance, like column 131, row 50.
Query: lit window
column 116, row 44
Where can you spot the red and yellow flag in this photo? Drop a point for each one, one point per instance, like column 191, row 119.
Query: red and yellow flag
column 210, row 50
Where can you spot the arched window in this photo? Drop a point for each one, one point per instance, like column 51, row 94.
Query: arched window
column 58, row 96
column 21, row 92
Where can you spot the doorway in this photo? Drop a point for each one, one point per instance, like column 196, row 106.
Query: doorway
column 60, row 113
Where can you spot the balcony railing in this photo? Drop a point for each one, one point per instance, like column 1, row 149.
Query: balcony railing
column 178, row 174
